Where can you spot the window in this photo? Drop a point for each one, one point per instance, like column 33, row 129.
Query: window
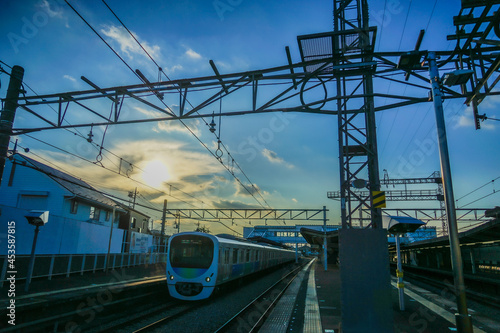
column 191, row 251
column 132, row 222
column 248, row 256
column 235, row 256
column 33, row 200
column 74, row 207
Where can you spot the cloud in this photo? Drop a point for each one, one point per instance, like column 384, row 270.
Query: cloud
column 148, row 112
column 127, row 43
column 274, row 158
column 131, row 157
column 247, row 190
column 294, row 200
column 69, row 77
column 175, row 126
column 192, row 54
column 231, row 204
column 53, row 12
column 467, row 120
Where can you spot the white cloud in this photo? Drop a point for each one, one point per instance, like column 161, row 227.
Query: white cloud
column 53, row 12
column 467, row 120
column 128, row 45
column 69, row 77
column 192, row 54
column 274, row 158
column 148, row 112
column 294, row 200
column 176, row 126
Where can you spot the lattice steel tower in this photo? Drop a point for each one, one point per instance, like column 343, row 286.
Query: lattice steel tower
column 354, row 41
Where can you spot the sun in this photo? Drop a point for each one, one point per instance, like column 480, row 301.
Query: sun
column 155, row 173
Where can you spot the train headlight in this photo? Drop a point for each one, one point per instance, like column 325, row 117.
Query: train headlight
column 171, row 277
column 207, row 279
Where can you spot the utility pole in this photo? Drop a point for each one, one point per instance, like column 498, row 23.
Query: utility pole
column 8, row 113
column 463, row 319
column 163, row 217
column 325, row 243
column 133, row 196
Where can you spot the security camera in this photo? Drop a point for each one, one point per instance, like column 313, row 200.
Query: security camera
column 37, row 217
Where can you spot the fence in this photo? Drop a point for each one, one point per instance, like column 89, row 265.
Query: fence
column 65, row 265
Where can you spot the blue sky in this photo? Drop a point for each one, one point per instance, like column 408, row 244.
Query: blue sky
column 292, row 158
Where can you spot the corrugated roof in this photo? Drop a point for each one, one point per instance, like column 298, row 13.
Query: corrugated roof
column 74, row 185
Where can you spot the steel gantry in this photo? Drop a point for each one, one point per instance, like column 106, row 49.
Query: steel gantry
column 250, row 214
column 343, row 58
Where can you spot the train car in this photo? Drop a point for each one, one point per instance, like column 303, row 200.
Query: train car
column 198, row 263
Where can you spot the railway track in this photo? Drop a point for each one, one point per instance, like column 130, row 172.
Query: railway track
column 178, row 309
column 82, row 310
column 261, row 305
column 477, row 289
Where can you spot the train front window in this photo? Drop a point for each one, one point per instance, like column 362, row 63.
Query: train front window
column 191, row 251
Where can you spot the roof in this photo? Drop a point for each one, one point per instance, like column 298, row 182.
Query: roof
column 130, row 209
column 76, row 186
column 401, row 224
column 315, row 237
column 486, row 232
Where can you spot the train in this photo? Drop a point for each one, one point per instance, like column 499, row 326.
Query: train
column 199, row 263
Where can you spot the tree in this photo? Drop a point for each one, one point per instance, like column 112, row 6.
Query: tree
column 202, row 228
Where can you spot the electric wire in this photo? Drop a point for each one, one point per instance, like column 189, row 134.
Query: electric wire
column 187, row 127
column 88, row 187
column 483, row 197
column 110, row 170
column 477, row 189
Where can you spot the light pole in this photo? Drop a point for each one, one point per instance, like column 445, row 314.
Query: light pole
column 463, row 319
column 110, row 236
column 37, row 218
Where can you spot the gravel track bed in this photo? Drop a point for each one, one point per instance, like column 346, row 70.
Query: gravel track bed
column 213, row 314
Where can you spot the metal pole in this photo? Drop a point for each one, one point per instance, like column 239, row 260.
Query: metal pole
column 325, row 256
column 463, row 319
column 399, row 274
column 163, row 217
column 8, row 113
column 32, row 261
column 296, row 247
column 110, row 235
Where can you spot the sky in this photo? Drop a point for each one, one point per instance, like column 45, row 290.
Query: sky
column 291, row 158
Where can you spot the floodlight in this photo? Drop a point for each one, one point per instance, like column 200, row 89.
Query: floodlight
column 37, row 217
column 460, row 76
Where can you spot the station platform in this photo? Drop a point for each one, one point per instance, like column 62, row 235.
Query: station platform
column 312, row 303
column 317, row 308
column 43, row 289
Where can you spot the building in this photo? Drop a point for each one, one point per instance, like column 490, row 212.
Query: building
column 136, row 226
column 284, row 234
column 80, row 216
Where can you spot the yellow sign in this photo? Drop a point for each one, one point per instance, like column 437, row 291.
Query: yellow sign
column 378, row 199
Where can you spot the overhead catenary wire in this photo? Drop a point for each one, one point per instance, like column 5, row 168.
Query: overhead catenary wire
column 187, row 127
column 53, row 176
column 110, row 170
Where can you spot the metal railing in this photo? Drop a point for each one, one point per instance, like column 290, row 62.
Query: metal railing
column 67, row 264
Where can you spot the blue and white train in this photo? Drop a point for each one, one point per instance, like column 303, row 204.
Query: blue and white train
column 198, row 263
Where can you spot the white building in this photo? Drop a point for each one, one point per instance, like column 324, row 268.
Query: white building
column 79, row 215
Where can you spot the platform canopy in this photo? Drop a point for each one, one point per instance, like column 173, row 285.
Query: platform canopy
column 316, row 237
column 401, row 224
